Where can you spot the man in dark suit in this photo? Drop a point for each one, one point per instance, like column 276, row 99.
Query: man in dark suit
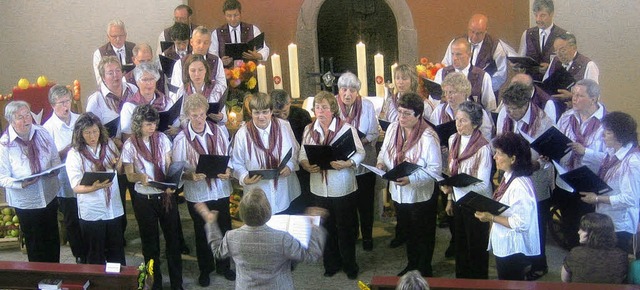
column 117, row 46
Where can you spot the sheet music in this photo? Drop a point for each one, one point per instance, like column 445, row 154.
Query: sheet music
column 298, row 226
column 45, row 172
column 374, row 169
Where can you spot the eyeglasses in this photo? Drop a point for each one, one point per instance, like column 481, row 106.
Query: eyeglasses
column 118, row 36
column 65, row 102
column 322, row 108
column 22, row 117
column 147, row 80
column 405, row 113
column 112, row 73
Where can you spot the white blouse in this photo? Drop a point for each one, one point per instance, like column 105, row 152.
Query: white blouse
column 478, row 165
column 369, row 126
column 141, row 165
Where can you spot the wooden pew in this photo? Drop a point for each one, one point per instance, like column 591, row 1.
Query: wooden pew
column 26, row 275
column 390, row 282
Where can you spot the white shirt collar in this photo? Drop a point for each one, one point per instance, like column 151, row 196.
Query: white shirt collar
column 547, row 32
column 264, row 131
column 13, row 134
column 73, row 117
column 332, row 126
column 465, row 70
column 105, row 91
column 526, row 116
column 622, row 152
column 193, row 134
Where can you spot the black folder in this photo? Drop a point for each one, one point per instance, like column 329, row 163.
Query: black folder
column 523, row 61
column 384, row 124
column 235, row 50
column 403, row 169
column 491, row 68
column 552, row 143
column 214, row 108
column 444, row 131
column 361, row 134
column 434, row 89
column 459, row 180
column 173, row 177
column 167, row 65
column 212, row 165
column 582, row 179
column 164, row 45
column 126, row 68
column 477, row 202
column 112, row 127
column 88, row 178
column 559, row 79
column 322, row 155
column 272, row 173
column 169, row 116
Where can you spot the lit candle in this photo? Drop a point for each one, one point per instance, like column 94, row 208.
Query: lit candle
column 276, row 71
column 232, row 118
column 361, row 56
column 393, row 73
column 293, row 71
column 378, row 64
column 262, row 78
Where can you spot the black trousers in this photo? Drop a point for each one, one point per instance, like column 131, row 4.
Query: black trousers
column 420, row 231
column 123, row 185
column 539, row 262
column 471, row 240
column 204, row 254
column 624, row 241
column 572, row 209
column 40, row 229
column 512, row 267
column 150, row 211
column 104, row 241
column 69, row 208
column 340, row 249
column 300, row 203
column 364, row 201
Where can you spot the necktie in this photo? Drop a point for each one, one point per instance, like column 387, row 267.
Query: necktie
column 121, row 55
column 234, row 39
column 543, row 36
column 473, row 51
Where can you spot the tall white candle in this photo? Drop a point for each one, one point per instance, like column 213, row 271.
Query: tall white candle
column 293, row 71
column 378, row 63
column 262, row 78
column 361, row 56
column 393, row 73
column 276, row 71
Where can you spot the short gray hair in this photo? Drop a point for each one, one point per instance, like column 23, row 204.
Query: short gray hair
column 474, row 110
column 543, row 4
column 349, row 80
column 145, row 67
column 412, row 280
column 593, row 88
column 141, row 46
column 280, row 98
column 254, row 208
column 116, row 23
column 13, row 107
column 58, row 91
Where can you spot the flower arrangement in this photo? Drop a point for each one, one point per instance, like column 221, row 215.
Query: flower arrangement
column 243, row 74
column 426, row 70
column 145, row 276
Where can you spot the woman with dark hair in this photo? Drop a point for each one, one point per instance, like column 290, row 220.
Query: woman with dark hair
column 333, row 188
column 359, row 112
column 469, row 153
column 597, row 259
column 263, row 256
column 514, row 236
column 99, row 205
column 412, row 140
column 27, row 149
column 620, row 170
column 146, row 156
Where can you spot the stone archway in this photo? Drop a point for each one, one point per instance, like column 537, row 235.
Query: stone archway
column 307, row 39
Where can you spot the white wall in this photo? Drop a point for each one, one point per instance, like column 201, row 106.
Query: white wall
column 607, row 32
column 57, row 38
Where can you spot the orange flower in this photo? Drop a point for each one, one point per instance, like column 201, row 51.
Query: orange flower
column 236, row 73
column 227, row 73
column 424, row 61
column 251, row 66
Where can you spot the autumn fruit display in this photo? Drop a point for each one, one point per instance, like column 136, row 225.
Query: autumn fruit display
column 42, row 81
column 23, row 83
column 10, row 226
column 234, row 202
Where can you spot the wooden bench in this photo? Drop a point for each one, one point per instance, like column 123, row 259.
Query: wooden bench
column 390, row 282
column 26, row 275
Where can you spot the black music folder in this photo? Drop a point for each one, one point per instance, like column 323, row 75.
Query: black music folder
column 212, row 165
column 477, row 202
column 384, row 124
column 164, row 45
column 582, row 179
column 559, row 79
column 88, row 178
column 126, row 68
column 112, row 127
column 169, row 116
column 523, row 61
column 235, row 50
column 403, row 169
column 173, row 177
column 214, row 108
column 552, row 143
column 434, row 89
column 322, row 155
column 272, row 173
column 167, row 65
column 459, row 180
column 361, row 134
column 444, row 131
column 491, row 68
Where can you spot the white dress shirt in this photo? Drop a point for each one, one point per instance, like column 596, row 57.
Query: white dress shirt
column 201, row 191
column 478, row 166
column 488, row 98
column 246, row 156
column 14, row 165
column 426, row 154
column 591, row 72
column 96, row 104
column 141, row 165
column 369, row 126
column 338, row 183
column 499, row 56
column 522, row 234
column 92, row 206
column 522, row 50
column 62, row 134
column 213, row 48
